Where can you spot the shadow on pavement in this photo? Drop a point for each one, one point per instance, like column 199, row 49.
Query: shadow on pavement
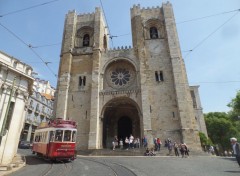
column 34, row 160
column 233, row 171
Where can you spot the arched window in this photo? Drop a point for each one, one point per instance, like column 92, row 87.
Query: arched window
column 153, row 33
column 86, row 40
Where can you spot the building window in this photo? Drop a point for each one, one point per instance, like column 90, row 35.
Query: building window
column 159, row 76
column 37, row 107
column 86, row 40
column 82, row 81
column 153, row 33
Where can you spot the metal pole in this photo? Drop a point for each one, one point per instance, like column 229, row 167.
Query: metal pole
column 3, row 131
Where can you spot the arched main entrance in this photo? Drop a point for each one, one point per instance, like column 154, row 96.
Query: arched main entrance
column 120, row 118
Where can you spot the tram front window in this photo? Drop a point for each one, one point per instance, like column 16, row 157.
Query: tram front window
column 58, row 135
column 67, row 135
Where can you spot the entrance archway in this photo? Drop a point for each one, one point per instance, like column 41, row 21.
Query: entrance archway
column 120, row 118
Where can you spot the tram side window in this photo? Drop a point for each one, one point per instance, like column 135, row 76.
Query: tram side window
column 73, row 136
column 67, row 135
column 59, row 134
column 37, row 137
column 52, row 136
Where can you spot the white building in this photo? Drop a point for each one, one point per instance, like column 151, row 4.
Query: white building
column 15, row 86
column 44, row 87
column 39, row 109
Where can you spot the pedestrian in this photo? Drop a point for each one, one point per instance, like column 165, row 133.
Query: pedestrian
column 131, row 139
column 113, row 145
column 116, row 141
column 175, row 145
column 121, row 144
column 186, row 150
column 170, row 146
column 127, row 142
column 138, row 143
column 158, row 144
column 182, row 150
column 144, row 141
column 236, row 149
column 211, row 150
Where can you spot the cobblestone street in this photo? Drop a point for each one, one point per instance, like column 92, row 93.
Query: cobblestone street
column 128, row 166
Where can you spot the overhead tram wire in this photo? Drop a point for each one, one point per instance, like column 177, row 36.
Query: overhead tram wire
column 41, row 46
column 201, row 42
column 29, row 46
column 107, row 23
column 209, row 16
column 31, row 7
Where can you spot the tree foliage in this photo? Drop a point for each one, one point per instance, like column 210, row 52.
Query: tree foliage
column 235, row 104
column 204, row 140
column 222, row 126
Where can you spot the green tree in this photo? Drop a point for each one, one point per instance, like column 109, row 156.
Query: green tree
column 204, row 140
column 235, row 104
column 220, row 128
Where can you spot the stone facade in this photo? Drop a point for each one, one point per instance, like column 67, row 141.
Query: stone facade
column 15, row 87
column 142, row 90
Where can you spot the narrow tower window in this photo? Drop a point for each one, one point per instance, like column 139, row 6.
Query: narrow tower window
column 86, row 40
column 84, row 81
column 161, row 76
column 80, row 81
column 153, row 33
column 156, row 76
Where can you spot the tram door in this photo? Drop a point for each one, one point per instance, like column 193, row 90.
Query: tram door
column 50, row 141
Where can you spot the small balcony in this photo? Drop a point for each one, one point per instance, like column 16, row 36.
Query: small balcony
column 30, row 108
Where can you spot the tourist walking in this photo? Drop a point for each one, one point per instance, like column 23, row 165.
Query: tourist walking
column 236, row 149
column 158, row 144
column 175, row 145
column 127, row 142
column 121, row 144
column 144, row 141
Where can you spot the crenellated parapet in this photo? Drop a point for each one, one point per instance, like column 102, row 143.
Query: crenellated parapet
column 137, row 10
column 120, row 48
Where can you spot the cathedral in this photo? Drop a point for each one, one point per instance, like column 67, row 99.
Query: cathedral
column 141, row 90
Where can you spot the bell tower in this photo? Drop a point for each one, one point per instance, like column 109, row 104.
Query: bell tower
column 166, row 101
column 85, row 37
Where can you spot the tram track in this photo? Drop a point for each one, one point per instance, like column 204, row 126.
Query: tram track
column 117, row 169
column 47, row 171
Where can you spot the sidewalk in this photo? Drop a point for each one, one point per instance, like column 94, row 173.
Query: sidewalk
column 17, row 163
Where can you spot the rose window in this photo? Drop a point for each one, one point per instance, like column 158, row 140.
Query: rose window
column 120, row 76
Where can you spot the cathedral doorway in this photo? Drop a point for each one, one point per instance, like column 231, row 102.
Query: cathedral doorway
column 124, row 127
column 120, row 118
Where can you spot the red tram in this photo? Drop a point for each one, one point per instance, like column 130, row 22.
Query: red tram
column 56, row 140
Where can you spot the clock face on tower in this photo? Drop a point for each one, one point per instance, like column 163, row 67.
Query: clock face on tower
column 120, row 74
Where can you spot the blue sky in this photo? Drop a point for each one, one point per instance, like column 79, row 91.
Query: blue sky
column 213, row 64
